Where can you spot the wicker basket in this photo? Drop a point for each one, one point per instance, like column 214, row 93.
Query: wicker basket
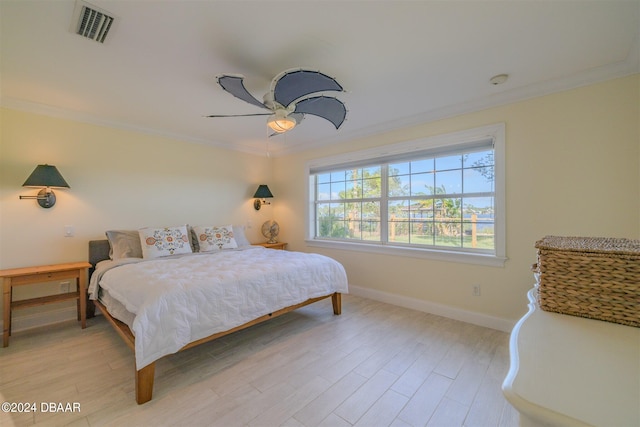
column 598, row 278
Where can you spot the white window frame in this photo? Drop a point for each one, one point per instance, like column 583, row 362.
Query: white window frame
column 470, row 136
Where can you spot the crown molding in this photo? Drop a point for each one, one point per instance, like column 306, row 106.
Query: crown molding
column 595, row 75
column 61, row 113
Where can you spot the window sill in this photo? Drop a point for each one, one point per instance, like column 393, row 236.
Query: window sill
column 439, row 255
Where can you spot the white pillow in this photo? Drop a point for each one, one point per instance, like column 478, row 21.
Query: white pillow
column 215, row 238
column 241, row 238
column 124, row 244
column 159, row 242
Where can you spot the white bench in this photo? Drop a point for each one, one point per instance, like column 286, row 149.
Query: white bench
column 572, row 371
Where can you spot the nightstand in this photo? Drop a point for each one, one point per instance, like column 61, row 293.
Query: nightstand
column 42, row 274
column 277, row 245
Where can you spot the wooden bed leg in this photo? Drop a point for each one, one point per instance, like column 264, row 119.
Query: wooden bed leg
column 91, row 309
column 144, row 383
column 336, row 300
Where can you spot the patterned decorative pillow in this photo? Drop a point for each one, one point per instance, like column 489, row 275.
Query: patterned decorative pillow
column 159, row 242
column 215, row 238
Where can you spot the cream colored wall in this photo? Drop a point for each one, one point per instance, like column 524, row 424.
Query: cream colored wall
column 119, row 179
column 572, row 162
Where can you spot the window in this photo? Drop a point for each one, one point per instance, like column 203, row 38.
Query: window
column 441, row 197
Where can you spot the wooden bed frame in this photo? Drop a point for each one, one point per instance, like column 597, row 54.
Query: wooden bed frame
column 99, row 250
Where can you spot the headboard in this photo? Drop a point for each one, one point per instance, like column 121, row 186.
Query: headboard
column 98, row 251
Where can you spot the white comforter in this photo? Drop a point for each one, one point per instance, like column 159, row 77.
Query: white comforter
column 178, row 300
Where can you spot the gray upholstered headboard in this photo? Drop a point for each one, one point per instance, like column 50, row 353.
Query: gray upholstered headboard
column 98, row 251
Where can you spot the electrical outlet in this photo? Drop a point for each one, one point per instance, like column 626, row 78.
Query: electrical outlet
column 64, row 287
column 476, row 290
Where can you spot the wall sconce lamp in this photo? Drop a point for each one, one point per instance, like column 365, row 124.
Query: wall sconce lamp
column 262, row 193
column 45, row 176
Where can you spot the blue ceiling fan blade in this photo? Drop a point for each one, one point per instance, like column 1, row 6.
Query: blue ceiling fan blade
column 235, row 86
column 328, row 108
column 298, row 83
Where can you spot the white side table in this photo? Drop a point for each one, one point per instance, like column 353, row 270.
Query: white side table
column 572, row 371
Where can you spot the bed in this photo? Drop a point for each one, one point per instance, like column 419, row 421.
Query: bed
column 160, row 306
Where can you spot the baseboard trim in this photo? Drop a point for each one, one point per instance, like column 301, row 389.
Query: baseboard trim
column 473, row 317
column 36, row 320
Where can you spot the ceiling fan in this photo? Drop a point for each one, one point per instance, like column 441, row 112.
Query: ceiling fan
column 288, row 99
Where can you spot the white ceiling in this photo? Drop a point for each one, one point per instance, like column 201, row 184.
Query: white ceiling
column 402, row 63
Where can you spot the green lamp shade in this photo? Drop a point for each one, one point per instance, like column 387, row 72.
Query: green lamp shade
column 46, row 176
column 263, row 192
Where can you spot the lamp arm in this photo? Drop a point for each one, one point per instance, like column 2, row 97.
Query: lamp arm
column 45, row 197
column 38, row 197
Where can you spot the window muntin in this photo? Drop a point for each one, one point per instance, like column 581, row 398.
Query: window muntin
column 445, row 201
column 432, row 201
column 447, row 194
column 348, row 204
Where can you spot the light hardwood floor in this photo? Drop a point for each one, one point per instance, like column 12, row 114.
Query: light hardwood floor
column 375, row 365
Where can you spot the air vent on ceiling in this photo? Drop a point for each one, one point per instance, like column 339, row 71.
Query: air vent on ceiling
column 91, row 22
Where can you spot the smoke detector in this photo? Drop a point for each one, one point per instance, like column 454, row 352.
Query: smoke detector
column 91, row 22
column 499, row 79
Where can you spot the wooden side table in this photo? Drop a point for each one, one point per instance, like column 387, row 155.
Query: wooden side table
column 277, row 245
column 41, row 274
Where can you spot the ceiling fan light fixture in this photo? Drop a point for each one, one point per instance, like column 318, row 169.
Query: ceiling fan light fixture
column 280, row 123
